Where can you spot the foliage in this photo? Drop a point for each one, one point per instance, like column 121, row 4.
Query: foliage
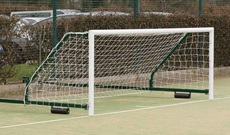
column 8, row 8
column 9, row 54
column 221, row 23
column 40, row 43
column 23, row 70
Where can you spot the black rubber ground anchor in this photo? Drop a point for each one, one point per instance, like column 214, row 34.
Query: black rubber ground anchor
column 60, row 110
column 182, row 95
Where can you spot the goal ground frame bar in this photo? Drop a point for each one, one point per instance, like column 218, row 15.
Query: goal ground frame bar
column 26, row 101
column 130, row 87
column 57, row 104
column 92, row 34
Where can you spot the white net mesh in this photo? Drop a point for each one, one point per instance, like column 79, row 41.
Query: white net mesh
column 58, row 77
column 188, row 66
column 129, row 60
column 124, row 65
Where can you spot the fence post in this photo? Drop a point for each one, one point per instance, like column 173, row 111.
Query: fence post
column 54, row 23
column 137, row 8
column 200, row 9
column 54, row 32
column 200, row 38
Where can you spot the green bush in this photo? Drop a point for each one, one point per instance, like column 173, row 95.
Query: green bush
column 41, row 34
column 221, row 23
column 222, row 37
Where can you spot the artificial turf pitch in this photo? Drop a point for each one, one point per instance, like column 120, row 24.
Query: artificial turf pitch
column 167, row 116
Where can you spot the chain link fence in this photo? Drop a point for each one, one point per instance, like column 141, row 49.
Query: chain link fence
column 27, row 29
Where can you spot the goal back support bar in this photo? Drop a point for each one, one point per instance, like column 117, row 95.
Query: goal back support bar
column 26, row 100
column 155, row 70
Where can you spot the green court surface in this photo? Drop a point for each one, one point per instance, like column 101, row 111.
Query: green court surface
column 153, row 113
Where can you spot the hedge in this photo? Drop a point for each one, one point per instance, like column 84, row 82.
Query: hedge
column 221, row 23
column 8, row 8
column 41, row 34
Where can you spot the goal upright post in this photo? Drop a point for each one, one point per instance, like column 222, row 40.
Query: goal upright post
column 211, row 64
column 91, row 73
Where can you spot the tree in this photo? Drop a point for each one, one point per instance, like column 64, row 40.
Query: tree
column 9, row 55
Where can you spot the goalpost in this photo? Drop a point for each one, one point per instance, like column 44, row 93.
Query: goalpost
column 183, row 42
column 110, row 63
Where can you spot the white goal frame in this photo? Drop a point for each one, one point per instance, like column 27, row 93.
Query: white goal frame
column 93, row 33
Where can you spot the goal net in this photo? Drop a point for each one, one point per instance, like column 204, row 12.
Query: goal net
column 109, row 63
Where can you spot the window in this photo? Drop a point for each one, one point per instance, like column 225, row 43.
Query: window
column 41, row 14
column 60, row 13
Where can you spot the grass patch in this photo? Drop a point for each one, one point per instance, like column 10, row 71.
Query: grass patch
column 23, row 70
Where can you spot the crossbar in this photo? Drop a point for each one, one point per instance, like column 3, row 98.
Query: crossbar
column 152, row 31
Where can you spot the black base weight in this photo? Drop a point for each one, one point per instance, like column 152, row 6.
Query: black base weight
column 60, row 110
column 182, row 95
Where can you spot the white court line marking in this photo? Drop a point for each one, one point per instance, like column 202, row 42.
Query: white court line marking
column 142, row 106
column 104, row 114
